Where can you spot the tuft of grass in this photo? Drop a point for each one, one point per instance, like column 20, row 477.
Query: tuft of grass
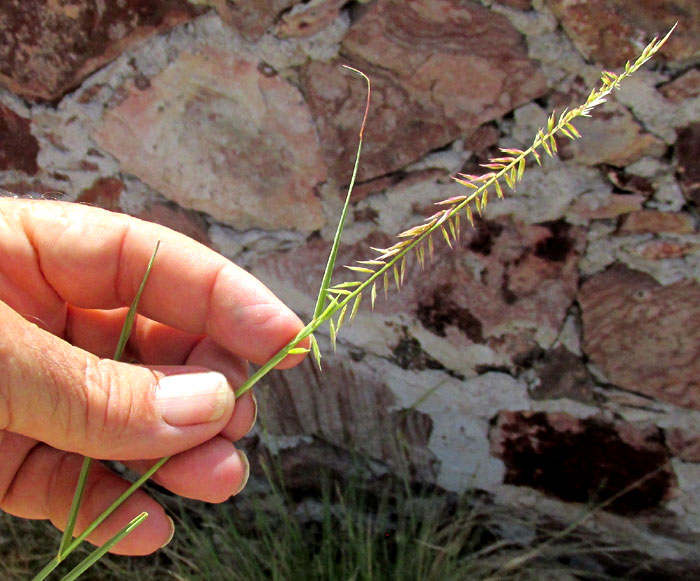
column 349, row 529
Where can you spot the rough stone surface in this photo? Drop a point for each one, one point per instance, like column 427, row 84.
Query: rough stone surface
column 48, row 48
column 686, row 86
column 688, row 154
column 18, row 147
column 214, row 133
column 684, row 444
column 656, row 222
column 643, row 336
column 561, row 373
column 252, row 17
column 308, row 18
column 331, row 407
column 586, row 460
column 612, row 137
column 422, row 64
column 609, row 32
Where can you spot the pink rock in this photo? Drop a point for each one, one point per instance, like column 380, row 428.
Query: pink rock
column 214, row 133
column 643, row 336
column 660, row 249
column 584, row 460
column 657, row 222
column 611, row 33
column 438, row 71
column 18, row 147
column 48, row 48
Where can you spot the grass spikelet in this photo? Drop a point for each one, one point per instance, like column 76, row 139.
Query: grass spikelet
column 341, row 318
column 360, row 269
column 446, row 236
column 333, row 332
column 355, row 306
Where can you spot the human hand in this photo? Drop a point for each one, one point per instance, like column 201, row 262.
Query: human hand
column 67, row 274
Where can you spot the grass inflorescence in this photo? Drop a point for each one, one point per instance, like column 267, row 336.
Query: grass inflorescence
column 336, row 304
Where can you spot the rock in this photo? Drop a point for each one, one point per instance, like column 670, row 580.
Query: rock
column 308, row 18
column 584, row 460
column 48, row 48
column 172, row 216
column 661, row 249
column 611, row 136
column 687, row 86
column 431, row 82
column 214, row 133
column 19, row 149
column 683, row 444
column 251, row 18
column 104, row 193
column 657, row 222
column 609, row 32
column 347, row 406
column 604, row 205
column 562, row 374
column 643, row 336
column 688, row 154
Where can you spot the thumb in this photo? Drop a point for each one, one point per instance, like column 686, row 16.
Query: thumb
column 75, row 401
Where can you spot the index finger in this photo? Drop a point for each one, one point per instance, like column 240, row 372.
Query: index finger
column 92, row 258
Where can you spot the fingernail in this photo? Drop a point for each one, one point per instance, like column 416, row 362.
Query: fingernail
column 172, row 532
column 246, row 475
column 193, row 398
column 255, row 414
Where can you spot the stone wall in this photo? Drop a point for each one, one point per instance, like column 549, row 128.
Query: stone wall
column 553, row 359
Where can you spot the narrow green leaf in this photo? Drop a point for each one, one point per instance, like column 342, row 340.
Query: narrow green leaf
column 330, row 265
column 87, row 462
column 98, row 553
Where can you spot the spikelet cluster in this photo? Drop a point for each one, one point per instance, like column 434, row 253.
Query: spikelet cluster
column 387, row 267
